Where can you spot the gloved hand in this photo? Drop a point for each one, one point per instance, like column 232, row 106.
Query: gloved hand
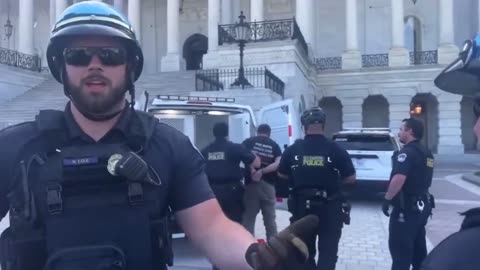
column 285, row 251
column 386, row 207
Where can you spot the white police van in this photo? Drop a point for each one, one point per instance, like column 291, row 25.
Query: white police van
column 196, row 116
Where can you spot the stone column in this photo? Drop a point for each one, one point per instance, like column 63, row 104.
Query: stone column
column 256, row 10
column 449, row 126
column 134, row 16
column 398, row 55
column 447, row 51
column 399, row 108
column 213, row 19
column 236, row 8
column 172, row 61
column 60, row 6
column 25, row 27
column 304, row 16
column 352, row 57
column 118, row 5
column 352, row 111
column 53, row 17
column 227, row 16
column 211, row 58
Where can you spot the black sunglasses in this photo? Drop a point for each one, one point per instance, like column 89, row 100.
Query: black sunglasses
column 109, row 56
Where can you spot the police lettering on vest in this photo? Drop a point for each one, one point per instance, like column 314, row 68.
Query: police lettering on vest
column 224, row 158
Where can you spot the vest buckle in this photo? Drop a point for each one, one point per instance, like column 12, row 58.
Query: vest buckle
column 54, row 199
column 135, row 193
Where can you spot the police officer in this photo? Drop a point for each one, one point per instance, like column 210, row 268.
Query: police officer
column 412, row 172
column 460, row 250
column 314, row 166
column 110, row 174
column 224, row 172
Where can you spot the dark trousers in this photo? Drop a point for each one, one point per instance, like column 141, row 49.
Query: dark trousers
column 230, row 198
column 406, row 240
column 329, row 233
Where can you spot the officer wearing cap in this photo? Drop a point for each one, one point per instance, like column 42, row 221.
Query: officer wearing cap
column 314, row 165
column 411, row 177
column 224, row 172
column 460, row 250
column 93, row 186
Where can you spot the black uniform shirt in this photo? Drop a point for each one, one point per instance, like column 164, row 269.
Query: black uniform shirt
column 416, row 163
column 179, row 165
column 339, row 157
column 223, row 160
column 267, row 150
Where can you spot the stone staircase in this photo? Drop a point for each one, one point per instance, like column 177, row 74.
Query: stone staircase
column 49, row 95
column 15, row 81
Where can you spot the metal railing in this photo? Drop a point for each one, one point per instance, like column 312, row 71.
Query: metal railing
column 217, row 80
column 375, row 60
column 328, row 63
column 21, row 60
column 424, row 58
column 378, row 60
column 264, row 31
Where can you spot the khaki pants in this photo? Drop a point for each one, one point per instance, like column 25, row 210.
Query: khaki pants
column 260, row 196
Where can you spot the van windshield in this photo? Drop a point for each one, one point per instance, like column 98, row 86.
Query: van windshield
column 365, row 142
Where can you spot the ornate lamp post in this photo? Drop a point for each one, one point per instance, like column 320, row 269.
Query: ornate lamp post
column 242, row 31
column 8, row 28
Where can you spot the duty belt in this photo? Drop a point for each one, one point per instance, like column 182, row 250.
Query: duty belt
column 315, row 193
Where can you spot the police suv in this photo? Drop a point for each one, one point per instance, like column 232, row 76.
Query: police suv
column 371, row 150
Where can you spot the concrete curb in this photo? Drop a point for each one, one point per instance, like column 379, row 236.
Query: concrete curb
column 472, row 178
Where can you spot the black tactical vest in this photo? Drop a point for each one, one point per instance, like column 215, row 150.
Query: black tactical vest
column 222, row 166
column 420, row 181
column 70, row 212
column 313, row 169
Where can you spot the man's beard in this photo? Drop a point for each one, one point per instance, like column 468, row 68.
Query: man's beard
column 98, row 104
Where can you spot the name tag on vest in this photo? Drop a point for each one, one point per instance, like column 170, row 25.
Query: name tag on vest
column 80, row 161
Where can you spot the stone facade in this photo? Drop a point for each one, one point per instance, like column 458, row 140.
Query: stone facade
column 328, row 31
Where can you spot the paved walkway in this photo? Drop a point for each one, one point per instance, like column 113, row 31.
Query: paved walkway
column 364, row 242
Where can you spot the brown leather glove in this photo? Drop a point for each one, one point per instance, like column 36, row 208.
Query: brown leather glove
column 287, row 250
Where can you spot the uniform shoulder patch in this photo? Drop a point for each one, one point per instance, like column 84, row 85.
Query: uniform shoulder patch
column 402, row 157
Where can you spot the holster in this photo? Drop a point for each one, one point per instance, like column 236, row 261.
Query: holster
column 305, row 201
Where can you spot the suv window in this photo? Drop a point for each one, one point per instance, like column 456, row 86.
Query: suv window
column 365, row 142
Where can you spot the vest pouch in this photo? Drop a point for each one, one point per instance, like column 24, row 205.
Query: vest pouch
column 22, row 250
column 125, row 227
column 106, row 257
